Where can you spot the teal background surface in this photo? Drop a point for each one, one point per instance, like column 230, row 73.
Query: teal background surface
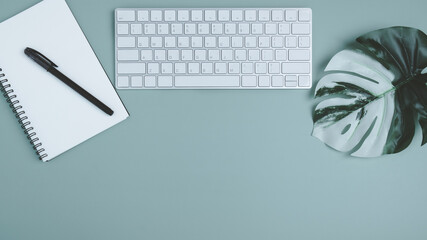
column 215, row 164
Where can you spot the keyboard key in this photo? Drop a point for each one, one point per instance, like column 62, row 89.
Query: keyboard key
column 210, row 42
column 289, row 67
column 183, row 42
column 207, row 68
column 304, row 15
column 254, row 55
column 290, row 84
column 200, row 55
column 164, row 81
column 122, row 29
column 291, row 42
column 180, row 68
column 173, row 55
column 284, row 28
column 277, row 42
column 220, row 68
column 281, row 55
column 127, row 55
column 125, row 42
column 183, row 15
column 227, row 55
column 249, row 81
column 264, row 81
column 274, row 68
column 267, row 55
column 156, row 42
column 146, row 55
column 304, row 42
column 196, row 15
column 299, row 55
column 237, row 42
column 243, row 28
column 224, row 15
column 176, row 28
column 207, row 81
column 203, row 28
column 277, row 81
column 136, row 29
column 304, row 81
column 240, row 55
column 216, row 28
column 271, row 28
column 169, row 15
column 210, row 15
column 247, row 68
column 264, row 42
column 130, row 68
column 150, row 81
column 187, row 55
column 250, row 42
column 236, row 15
column 136, row 81
column 170, row 42
column 190, row 28
column 122, row 81
column 230, row 28
column 162, row 29
column 143, row 42
column 149, row 28
column 160, row 55
column 196, row 42
column 156, row 16
column 250, row 15
column 234, row 68
column 213, row 55
column 143, row 16
column 256, row 28
column 167, row 68
column 224, row 42
column 291, row 81
column 300, row 28
column 277, row 15
column 125, row 15
column 264, row 15
column 261, row 67
column 152, row 68
column 291, row 15
column 193, row 68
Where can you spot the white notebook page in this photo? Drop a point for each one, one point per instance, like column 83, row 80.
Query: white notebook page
column 61, row 117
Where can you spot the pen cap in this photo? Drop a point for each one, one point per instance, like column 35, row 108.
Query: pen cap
column 39, row 58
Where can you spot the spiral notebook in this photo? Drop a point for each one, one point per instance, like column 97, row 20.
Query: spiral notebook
column 54, row 117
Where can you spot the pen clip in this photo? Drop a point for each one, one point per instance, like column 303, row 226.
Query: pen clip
column 36, row 55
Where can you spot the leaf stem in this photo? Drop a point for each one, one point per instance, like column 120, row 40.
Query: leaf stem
column 395, row 88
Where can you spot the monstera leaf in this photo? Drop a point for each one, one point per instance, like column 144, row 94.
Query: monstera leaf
column 374, row 94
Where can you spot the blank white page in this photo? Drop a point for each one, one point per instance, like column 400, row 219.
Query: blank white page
column 61, row 117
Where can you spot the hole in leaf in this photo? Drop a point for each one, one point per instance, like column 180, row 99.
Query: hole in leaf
column 345, row 129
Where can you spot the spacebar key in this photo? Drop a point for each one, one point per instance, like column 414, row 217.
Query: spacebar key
column 207, row 81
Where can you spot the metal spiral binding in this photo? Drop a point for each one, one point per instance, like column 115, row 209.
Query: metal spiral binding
column 17, row 109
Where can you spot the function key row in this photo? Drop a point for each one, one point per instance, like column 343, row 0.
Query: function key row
column 276, row 15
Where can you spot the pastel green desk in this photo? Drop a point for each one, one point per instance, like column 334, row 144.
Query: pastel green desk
column 209, row 165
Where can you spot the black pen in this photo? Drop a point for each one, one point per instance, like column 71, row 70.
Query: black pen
column 51, row 67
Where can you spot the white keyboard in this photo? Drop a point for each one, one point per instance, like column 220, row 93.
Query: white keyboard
column 193, row 48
